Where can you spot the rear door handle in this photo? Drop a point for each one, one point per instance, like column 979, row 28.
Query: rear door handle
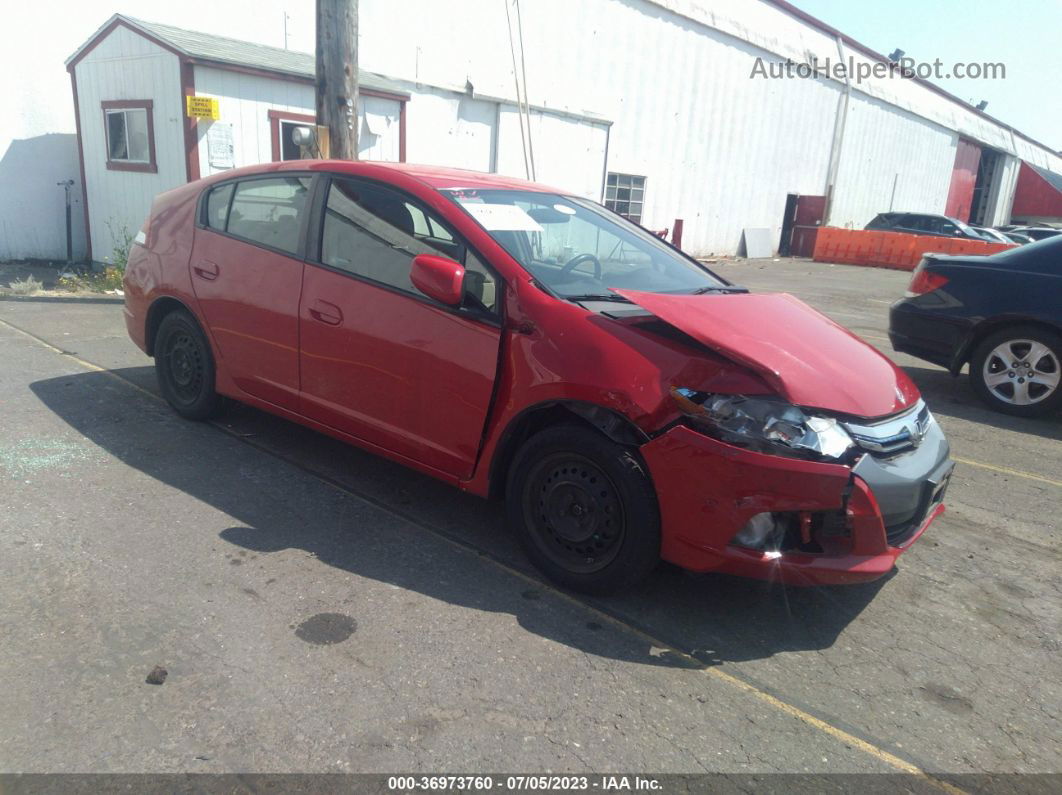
column 206, row 270
column 326, row 312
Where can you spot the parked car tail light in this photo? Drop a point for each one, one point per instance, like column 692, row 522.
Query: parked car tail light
column 923, row 281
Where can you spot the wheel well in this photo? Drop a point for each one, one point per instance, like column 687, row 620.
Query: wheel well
column 988, row 327
column 535, row 420
column 162, row 307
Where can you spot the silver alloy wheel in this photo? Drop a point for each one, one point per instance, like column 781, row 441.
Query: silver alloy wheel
column 1022, row 372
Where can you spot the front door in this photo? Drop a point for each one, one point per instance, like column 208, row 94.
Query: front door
column 380, row 360
column 246, row 273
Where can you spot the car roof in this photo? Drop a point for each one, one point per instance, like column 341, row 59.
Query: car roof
column 437, row 177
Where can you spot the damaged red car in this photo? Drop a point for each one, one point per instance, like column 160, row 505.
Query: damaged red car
column 514, row 341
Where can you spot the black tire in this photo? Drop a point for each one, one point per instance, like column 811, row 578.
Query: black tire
column 987, row 362
column 584, row 510
column 184, row 365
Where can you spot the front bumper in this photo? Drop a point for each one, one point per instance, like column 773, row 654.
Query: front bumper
column 708, row 490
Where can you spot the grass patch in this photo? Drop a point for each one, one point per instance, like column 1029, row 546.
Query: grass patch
column 109, row 279
column 27, row 286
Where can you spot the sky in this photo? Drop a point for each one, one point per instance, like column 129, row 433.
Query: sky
column 1021, row 34
column 39, row 35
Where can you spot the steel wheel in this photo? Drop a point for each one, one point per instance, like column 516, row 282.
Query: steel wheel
column 574, row 512
column 185, row 367
column 1021, row 372
column 583, row 509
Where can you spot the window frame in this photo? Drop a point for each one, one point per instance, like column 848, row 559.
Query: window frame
column 147, row 105
column 201, row 219
column 315, row 242
column 612, row 203
column 275, row 117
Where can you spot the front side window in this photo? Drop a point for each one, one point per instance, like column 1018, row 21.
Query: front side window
column 129, row 134
column 374, row 232
column 576, row 248
column 267, row 211
column 624, row 194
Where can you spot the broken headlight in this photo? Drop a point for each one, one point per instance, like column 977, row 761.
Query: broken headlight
column 764, row 424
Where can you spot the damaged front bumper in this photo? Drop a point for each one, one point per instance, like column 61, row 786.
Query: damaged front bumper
column 837, row 524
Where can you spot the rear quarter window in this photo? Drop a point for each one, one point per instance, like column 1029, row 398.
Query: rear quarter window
column 218, row 206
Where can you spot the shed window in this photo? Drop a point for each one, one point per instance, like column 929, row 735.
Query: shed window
column 130, row 135
column 624, row 194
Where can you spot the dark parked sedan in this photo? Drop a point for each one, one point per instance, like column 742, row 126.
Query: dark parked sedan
column 1002, row 314
column 925, row 224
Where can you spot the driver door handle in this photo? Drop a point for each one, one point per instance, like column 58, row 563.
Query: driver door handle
column 206, row 270
column 326, row 312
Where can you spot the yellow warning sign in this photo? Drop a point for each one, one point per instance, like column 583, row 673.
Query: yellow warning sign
column 202, row 107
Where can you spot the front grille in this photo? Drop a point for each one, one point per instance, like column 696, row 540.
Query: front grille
column 894, row 435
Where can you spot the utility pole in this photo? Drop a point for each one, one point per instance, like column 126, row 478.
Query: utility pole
column 337, row 78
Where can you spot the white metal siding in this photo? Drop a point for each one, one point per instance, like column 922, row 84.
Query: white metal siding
column 125, row 65
column 569, row 153
column 719, row 148
column 32, row 205
column 446, row 128
column 245, row 101
column 450, row 128
column 883, row 148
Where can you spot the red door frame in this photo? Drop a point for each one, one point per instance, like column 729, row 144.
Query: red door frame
column 963, row 180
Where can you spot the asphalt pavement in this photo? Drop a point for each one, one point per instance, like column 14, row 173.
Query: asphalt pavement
column 320, row 609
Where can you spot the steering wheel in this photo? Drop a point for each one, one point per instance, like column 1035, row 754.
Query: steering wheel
column 578, row 260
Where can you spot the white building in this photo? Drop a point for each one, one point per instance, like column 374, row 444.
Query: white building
column 651, row 106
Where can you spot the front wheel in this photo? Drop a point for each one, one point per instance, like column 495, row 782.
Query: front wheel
column 185, row 367
column 584, row 510
column 1018, row 371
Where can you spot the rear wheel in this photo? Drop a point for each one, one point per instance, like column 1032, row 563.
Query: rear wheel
column 185, row 367
column 584, row 510
column 1018, row 370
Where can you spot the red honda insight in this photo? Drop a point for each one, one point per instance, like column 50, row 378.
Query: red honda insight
column 515, row 341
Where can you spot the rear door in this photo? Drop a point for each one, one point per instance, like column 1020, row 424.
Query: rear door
column 247, row 274
column 379, row 359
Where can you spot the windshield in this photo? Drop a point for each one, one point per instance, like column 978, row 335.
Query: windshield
column 967, row 230
column 579, row 249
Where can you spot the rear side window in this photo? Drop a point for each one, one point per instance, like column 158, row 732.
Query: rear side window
column 922, row 223
column 218, row 206
column 269, row 211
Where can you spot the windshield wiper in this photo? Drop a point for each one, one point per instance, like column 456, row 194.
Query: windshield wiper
column 598, row 297
column 718, row 289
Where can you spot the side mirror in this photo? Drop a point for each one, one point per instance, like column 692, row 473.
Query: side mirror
column 439, row 278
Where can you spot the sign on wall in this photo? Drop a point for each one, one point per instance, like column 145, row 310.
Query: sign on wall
column 220, row 150
column 202, row 107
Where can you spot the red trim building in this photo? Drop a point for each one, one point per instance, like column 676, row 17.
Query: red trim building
column 1038, row 197
column 132, row 79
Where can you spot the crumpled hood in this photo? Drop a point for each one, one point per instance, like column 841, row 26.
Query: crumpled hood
column 805, row 356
